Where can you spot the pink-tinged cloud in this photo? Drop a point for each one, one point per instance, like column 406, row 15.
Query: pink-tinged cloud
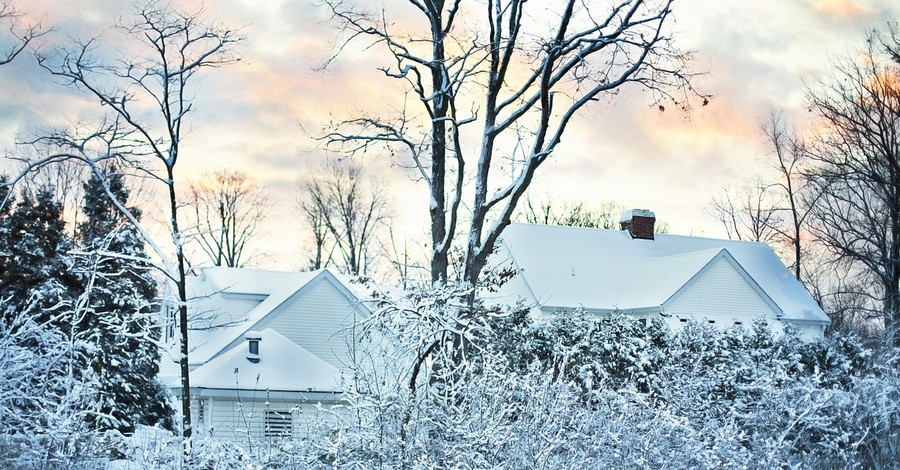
column 258, row 115
column 841, row 8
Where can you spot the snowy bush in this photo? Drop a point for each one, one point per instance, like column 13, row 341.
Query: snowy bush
column 493, row 388
column 437, row 384
column 42, row 403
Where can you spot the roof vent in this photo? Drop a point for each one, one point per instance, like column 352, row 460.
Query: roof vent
column 639, row 223
column 253, row 338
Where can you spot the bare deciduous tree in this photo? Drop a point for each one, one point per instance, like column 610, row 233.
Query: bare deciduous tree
column 772, row 212
column 228, row 208
column 344, row 210
column 315, row 218
column 577, row 214
column 607, row 215
column 405, row 263
column 796, row 194
column 21, row 36
column 749, row 213
column 146, row 94
column 523, row 71
column 857, row 173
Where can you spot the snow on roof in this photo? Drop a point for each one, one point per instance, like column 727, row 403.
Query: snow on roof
column 607, row 269
column 283, row 365
column 215, row 322
column 631, row 213
column 247, row 281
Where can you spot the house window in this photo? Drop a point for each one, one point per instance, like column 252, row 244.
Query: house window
column 169, row 321
column 278, row 424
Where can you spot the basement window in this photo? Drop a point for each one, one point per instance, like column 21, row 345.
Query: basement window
column 738, row 323
column 278, row 424
column 711, row 321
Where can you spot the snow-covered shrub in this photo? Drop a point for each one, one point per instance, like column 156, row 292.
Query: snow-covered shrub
column 148, row 447
column 213, row 454
column 436, row 385
column 42, row 402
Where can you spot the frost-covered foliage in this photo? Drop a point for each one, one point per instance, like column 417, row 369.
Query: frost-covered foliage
column 77, row 351
column 441, row 386
column 120, row 313
column 42, row 403
column 739, row 396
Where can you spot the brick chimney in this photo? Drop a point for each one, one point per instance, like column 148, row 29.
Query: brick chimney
column 639, row 223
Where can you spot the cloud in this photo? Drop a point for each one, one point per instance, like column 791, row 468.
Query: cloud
column 258, row 115
column 841, row 8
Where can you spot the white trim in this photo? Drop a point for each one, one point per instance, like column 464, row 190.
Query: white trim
column 244, row 296
column 309, row 396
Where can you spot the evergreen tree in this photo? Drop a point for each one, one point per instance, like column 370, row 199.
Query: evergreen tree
column 122, row 305
column 33, row 256
column 5, row 233
column 42, row 387
column 5, row 189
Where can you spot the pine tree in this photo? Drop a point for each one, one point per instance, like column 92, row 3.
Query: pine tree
column 5, row 233
column 41, row 381
column 122, row 306
column 33, row 256
column 5, row 189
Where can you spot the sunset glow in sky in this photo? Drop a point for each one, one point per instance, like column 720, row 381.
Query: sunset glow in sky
column 258, row 115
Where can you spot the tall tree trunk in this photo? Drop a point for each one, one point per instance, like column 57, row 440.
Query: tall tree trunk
column 181, row 285
column 440, row 242
column 892, row 289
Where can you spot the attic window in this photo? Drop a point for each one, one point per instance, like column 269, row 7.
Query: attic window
column 278, row 424
column 253, row 338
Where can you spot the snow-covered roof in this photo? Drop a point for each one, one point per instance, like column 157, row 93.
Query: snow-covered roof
column 282, row 365
column 247, row 281
column 608, row 270
column 216, row 317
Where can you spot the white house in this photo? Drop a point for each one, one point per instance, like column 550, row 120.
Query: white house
column 266, row 348
column 639, row 272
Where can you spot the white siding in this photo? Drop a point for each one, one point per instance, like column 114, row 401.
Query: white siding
column 321, row 320
column 811, row 331
column 721, row 294
column 513, row 290
column 236, row 309
column 219, row 310
column 242, row 420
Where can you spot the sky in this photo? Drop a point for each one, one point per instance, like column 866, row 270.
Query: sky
column 258, row 115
